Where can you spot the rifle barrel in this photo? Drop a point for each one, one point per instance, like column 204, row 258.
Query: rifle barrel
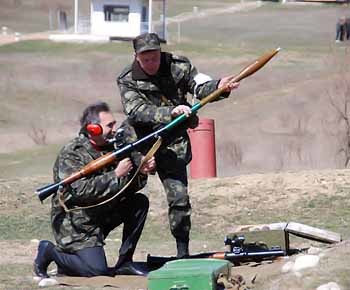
column 44, row 192
column 235, row 258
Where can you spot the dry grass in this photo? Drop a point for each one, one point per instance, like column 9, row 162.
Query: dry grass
column 316, row 198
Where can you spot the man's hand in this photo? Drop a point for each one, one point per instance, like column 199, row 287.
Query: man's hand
column 123, row 168
column 181, row 109
column 149, row 166
column 228, row 83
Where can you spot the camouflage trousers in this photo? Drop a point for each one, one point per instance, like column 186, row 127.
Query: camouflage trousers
column 175, row 184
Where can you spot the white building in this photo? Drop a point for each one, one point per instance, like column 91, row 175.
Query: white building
column 124, row 18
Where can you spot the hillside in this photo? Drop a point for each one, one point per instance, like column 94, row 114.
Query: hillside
column 280, row 119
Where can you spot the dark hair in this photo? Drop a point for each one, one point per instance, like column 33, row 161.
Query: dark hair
column 91, row 113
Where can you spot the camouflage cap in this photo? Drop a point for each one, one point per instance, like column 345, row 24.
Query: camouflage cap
column 145, row 42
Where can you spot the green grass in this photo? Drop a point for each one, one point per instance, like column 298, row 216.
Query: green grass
column 25, row 226
column 49, row 48
column 178, row 7
column 323, row 211
column 16, row 277
column 257, row 29
column 27, row 163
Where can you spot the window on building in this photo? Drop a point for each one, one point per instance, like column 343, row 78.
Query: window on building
column 144, row 14
column 116, row 13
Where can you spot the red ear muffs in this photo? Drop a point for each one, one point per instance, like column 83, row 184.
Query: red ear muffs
column 94, row 129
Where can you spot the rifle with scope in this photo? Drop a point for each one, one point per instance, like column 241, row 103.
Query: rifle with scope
column 240, row 252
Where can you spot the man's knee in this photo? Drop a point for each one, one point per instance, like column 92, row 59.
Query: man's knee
column 90, row 262
column 142, row 200
column 180, row 202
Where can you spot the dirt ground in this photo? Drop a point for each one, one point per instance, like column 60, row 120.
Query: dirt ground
column 219, row 206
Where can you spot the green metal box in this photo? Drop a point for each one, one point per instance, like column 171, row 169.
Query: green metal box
column 189, row 274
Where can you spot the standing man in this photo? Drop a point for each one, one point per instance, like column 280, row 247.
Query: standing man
column 80, row 232
column 153, row 92
column 340, row 29
column 347, row 28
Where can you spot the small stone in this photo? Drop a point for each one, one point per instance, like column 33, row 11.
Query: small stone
column 36, row 279
column 46, row 282
column 287, row 267
column 305, row 261
column 329, row 286
column 314, row 251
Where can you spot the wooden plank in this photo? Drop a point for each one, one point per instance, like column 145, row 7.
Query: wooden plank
column 322, row 1
column 312, row 233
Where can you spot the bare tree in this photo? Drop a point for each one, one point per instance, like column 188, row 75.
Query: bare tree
column 290, row 140
column 38, row 135
column 339, row 99
column 233, row 154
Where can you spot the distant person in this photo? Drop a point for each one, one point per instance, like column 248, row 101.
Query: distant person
column 347, row 26
column 340, row 29
column 80, row 233
column 153, row 92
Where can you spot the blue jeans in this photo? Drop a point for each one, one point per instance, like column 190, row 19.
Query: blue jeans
column 92, row 261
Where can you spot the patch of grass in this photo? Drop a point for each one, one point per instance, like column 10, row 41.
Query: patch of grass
column 25, row 163
column 47, row 48
column 239, row 31
column 322, row 211
column 182, row 6
column 18, row 276
column 25, row 227
column 13, row 275
column 156, row 225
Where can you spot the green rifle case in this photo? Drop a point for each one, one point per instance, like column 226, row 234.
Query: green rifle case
column 189, row 274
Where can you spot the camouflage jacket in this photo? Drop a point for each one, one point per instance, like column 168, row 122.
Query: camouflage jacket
column 149, row 100
column 80, row 229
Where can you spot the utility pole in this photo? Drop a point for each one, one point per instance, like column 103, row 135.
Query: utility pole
column 164, row 21
column 150, row 16
column 76, row 15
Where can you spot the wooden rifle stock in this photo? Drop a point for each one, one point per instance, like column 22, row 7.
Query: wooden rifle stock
column 101, row 162
column 91, row 167
column 88, row 169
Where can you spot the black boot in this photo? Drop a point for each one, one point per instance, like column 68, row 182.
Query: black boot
column 132, row 268
column 123, row 259
column 43, row 259
column 182, row 248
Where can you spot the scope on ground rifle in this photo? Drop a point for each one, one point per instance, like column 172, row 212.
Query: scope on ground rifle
column 235, row 242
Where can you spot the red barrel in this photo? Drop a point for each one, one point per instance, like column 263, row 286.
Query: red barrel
column 203, row 164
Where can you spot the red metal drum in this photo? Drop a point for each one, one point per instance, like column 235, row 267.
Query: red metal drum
column 203, row 164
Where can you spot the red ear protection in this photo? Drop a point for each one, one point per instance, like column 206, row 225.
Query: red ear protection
column 94, row 129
